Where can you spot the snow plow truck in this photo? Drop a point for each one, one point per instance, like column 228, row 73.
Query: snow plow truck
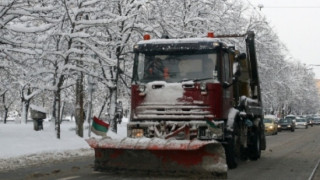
column 195, row 108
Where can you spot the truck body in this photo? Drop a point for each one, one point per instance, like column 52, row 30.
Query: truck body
column 195, row 107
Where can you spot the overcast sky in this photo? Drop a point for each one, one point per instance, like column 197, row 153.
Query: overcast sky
column 298, row 26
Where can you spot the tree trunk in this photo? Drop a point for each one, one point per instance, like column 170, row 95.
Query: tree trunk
column 79, row 111
column 6, row 109
column 89, row 108
column 58, row 119
column 5, row 115
column 103, row 105
column 25, row 106
column 61, row 111
column 114, row 94
column 56, row 113
column 112, row 109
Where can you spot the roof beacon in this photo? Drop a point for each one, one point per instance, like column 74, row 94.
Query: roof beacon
column 146, row 37
column 210, row 35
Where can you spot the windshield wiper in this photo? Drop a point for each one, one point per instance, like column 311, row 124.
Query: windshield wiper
column 202, row 79
column 195, row 80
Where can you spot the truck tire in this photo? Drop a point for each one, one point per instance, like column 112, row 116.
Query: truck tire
column 254, row 149
column 229, row 149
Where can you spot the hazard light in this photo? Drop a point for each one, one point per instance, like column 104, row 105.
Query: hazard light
column 137, row 133
column 146, row 37
column 210, row 35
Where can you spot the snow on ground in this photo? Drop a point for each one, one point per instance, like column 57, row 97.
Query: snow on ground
column 21, row 145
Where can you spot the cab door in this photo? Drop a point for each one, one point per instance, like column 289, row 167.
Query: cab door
column 227, row 90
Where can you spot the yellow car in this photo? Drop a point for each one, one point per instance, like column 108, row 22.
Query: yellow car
column 270, row 125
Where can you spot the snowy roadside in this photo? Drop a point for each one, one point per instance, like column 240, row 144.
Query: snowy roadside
column 42, row 158
column 21, row 146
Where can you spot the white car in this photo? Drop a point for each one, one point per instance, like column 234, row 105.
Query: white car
column 301, row 123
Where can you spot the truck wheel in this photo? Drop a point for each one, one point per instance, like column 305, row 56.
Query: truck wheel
column 254, row 148
column 229, row 149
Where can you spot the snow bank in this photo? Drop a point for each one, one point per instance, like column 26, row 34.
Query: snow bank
column 22, row 146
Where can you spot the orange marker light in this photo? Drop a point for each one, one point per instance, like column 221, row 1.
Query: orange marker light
column 166, row 73
column 210, row 34
column 146, row 37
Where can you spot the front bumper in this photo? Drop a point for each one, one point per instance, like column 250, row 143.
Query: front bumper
column 302, row 126
column 286, row 127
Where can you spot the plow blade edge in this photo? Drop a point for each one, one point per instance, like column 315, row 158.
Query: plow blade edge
column 161, row 156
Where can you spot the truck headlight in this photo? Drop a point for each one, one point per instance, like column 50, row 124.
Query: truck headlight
column 270, row 127
column 137, row 133
column 203, row 86
column 289, row 125
column 141, row 88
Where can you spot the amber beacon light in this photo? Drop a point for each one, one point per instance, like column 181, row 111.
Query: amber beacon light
column 210, row 34
column 146, row 37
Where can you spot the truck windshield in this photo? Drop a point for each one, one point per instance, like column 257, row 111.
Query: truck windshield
column 176, row 67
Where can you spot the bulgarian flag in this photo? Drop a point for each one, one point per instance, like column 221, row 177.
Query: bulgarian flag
column 99, row 127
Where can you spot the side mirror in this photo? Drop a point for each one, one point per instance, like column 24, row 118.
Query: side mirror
column 226, row 84
column 242, row 56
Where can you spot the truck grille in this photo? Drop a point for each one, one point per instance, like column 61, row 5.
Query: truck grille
column 172, row 112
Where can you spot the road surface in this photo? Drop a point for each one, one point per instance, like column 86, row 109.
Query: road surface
column 289, row 156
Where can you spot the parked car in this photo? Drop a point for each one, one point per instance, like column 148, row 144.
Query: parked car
column 288, row 123
column 310, row 121
column 316, row 120
column 271, row 127
column 301, row 123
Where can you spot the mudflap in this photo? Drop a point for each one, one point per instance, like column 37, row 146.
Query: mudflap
column 197, row 158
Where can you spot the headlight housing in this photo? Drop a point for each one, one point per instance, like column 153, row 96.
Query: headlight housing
column 137, row 133
column 141, row 88
column 203, row 86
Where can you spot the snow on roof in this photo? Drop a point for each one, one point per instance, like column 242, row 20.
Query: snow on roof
column 186, row 40
column 38, row 108
column 270, row 116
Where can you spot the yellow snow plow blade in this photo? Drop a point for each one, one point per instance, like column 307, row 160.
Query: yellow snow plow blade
column 203, row 158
